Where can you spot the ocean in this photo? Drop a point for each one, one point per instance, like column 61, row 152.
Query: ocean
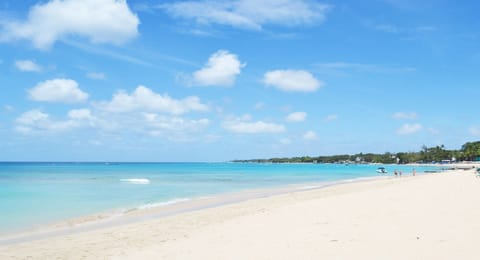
column 35, row 194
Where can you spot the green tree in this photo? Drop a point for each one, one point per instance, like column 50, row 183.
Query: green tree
column 471, row 150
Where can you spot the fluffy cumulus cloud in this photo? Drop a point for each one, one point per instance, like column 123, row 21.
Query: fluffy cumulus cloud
column 292, row 80
column 173, row 127
column 27, row 65
column 405, row 115
column 32, row 116
column 142, row 112
column 221, row 69
column 58, row 90
column 36, row 121
column 161, row 122
column 310, row 136
column 80, row 114
column 249, row 14
column 145, row 99
column 101, row 21
column 296, row 117
column 408, row 129
column 244, row 125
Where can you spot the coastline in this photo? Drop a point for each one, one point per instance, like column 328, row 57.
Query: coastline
column 149, row 186
column 392, row 200
column 119, row 217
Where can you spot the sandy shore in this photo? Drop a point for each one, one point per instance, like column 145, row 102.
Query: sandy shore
column 434, row 216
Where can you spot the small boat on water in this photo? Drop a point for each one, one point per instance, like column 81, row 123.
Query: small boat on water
column 382, row 170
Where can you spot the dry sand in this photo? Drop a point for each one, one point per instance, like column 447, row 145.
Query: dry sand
column 435, row 216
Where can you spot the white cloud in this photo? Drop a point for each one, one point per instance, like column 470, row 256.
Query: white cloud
column 143, row 112
column 169, row 127
column 80, row 114
column 475, row 131
column 34, row 121
column 296, row 117
column 292, row 80
column 144, row 99
column 96, row 75
column 58, row 90
column 27, row 65
column 285, row 141
column 243, row 125
column 408, row 129
column 253, row 127
column 32, row 116
column 331, row 118
column 101, row 21
column 221, row 69
column 249, row 14
column 84, row 117
column 173, row 128
column 310, row 136
column 405, row 115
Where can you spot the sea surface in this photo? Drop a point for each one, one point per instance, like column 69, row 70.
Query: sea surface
column 34, row 194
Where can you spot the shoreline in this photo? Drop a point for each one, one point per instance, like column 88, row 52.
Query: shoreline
column 430, row 216
column 119, row 217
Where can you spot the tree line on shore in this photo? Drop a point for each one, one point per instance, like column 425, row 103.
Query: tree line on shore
column 469, row 151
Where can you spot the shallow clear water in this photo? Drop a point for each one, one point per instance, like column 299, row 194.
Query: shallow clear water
column 38, row 193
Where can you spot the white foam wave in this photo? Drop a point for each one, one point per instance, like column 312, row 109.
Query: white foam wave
column 309, row 187
column 160, row 204
column 136, row 181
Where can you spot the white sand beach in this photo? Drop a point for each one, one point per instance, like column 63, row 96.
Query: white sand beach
column 434, row 216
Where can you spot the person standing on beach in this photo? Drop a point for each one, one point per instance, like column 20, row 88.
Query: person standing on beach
column 400, row 172
column 396, row 173
column 413, row 172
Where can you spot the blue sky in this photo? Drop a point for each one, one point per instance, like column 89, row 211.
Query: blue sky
column 111, row 80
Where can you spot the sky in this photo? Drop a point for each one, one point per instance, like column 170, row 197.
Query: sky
column 213, row 80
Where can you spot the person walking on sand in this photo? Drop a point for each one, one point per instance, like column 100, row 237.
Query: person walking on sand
column 396, row 173
column 414, row 172
column 400, row 173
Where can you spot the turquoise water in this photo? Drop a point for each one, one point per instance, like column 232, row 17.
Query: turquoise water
column 32, row 194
